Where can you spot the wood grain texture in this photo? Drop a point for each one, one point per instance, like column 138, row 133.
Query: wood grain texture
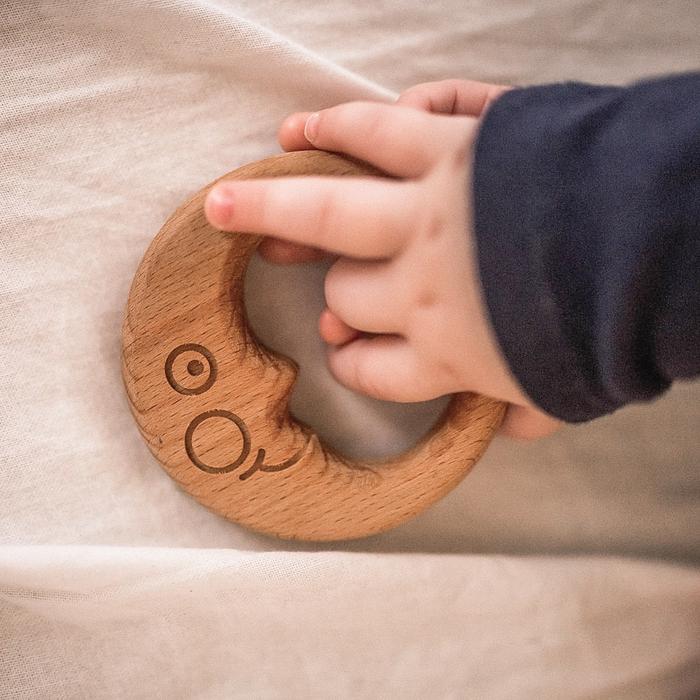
column 211, row 402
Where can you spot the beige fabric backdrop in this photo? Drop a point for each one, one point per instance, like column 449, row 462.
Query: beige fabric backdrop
column 568, row 568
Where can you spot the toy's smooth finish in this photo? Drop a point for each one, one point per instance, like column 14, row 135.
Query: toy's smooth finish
column 212, row 403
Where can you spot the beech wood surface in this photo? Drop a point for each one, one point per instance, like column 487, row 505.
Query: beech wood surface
column 211, row 402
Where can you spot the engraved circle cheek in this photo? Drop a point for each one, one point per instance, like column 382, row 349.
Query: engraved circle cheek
column 210, row 429
column 215, row 432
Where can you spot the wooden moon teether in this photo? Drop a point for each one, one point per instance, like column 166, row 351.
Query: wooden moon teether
column 212, row 403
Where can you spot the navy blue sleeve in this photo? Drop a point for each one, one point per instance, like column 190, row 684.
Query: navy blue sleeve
column 587, row 220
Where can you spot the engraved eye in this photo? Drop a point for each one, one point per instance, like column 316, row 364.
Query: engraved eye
column 190, row 369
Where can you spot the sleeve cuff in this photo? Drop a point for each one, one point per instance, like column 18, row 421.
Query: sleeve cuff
column 521, row 208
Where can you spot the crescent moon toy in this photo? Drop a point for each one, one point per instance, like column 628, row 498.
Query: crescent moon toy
column 211, row 402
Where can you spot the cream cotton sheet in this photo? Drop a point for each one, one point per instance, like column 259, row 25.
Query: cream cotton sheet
column 563, row 569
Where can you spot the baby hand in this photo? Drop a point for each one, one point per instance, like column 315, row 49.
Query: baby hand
column 405, row 318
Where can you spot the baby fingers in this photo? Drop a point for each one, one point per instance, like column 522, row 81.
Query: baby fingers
column 396, row 139
column 366, row 296
column 353, row 216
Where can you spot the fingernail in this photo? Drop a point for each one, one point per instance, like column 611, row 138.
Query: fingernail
column 311, row 127
column 219, row 205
